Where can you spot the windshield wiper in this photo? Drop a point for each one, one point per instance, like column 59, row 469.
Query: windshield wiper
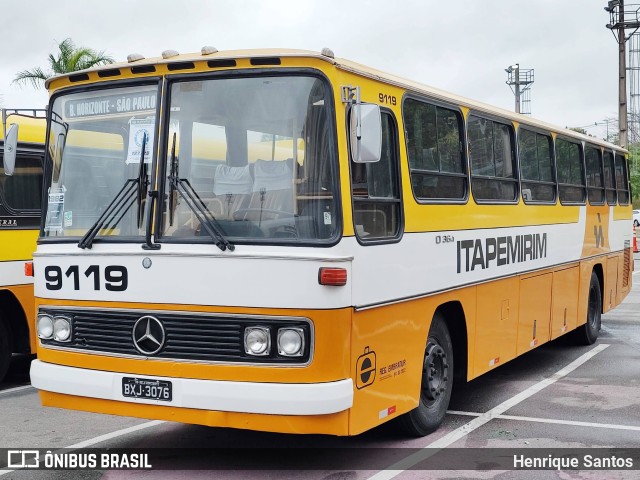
column 195, row 203
column 122, row 202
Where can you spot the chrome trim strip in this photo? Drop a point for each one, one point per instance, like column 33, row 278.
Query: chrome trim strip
column 234, row 256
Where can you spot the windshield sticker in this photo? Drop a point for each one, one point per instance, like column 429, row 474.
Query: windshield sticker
column 139, row 128
column 54, row 209
column 111, row 105
column 327, row 218
column 68, row 219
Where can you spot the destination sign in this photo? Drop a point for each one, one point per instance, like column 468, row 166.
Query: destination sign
column 143, row 101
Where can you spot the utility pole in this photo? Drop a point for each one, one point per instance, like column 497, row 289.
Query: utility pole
column 516, row 83
column 520, row 80
column 618, row 25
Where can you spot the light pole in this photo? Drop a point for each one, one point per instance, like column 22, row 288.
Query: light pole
column 618, row 25
column 520, row 82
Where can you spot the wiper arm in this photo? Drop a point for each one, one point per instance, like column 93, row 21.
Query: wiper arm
column 116, row 210
column 121, row 203
column 195, row 203
column 143, row 180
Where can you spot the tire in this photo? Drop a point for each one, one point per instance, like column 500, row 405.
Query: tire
column 587, row 334
column 437, row 382
column 5, row 349
column 636, row 223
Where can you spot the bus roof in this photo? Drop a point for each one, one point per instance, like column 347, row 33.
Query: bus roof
column 356, row 68
column 31, row 130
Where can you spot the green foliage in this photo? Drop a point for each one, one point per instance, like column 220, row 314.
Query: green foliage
column 69, row 59
column 635, row 189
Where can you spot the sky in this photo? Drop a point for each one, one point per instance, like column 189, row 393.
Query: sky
column 462, row 46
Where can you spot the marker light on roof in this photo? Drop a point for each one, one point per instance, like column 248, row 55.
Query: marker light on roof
column 327, row 52
column 208, row 50
column 134, row 57
column 169, row 53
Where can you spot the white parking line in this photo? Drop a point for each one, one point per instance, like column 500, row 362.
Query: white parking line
column 611, row 426
column 117, row 433
column 105, row 437
column 15, row 389
column 452, row 437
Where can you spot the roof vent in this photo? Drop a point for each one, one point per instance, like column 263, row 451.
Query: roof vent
column 327, row 52
column 134, row 57
column 169, row 53
column 208, row 50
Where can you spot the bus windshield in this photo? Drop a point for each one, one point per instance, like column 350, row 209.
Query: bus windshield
column 253, row 155
column 95, row 151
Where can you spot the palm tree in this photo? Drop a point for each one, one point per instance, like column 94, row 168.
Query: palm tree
column 69, row 59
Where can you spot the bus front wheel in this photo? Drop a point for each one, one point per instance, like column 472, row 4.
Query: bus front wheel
column 5, row 349
column 437, row 382
column 587, row 334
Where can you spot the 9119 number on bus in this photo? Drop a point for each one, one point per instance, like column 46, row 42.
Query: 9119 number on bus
column 114, row 278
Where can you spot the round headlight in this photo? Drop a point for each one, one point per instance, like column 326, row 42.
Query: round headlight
column 61, row 329
column 257, row 341
column 44, row 327
column 290, row 342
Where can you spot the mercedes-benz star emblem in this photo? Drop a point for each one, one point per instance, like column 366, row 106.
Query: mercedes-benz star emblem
column 148, row 335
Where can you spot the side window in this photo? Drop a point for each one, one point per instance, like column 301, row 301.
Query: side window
column 376, row 190
column 609, row 178
column 493, row 172
column 622, row 181
column 570, row 172
column 23, row 190
column 434, row 149
column 536, row 164
column 595, row 181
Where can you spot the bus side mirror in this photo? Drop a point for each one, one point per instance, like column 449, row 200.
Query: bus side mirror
column 365, row 132
column 10, row 148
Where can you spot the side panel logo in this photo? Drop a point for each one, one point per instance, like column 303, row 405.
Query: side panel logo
column 365, row 369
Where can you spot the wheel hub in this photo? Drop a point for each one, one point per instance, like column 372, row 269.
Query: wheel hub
column 435, row 372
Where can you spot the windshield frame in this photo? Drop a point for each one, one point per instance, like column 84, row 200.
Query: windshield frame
column 165, row 152
column 105, row 87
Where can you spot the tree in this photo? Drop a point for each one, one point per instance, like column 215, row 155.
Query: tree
column 69, row 59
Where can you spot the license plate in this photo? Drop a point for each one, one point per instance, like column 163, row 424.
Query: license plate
column 147, row 388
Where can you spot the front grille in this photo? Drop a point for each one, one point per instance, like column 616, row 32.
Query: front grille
column 189, row 336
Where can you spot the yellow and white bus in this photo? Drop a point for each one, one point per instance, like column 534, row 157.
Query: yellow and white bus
column 282, row 240
column 20, row 203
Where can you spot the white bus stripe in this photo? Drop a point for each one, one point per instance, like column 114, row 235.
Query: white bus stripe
column 611, row 426
column 464, row 430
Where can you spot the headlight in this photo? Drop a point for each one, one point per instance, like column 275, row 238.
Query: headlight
column 44, row 327
column 257, row 341
column 291, row 342
column 61, row 329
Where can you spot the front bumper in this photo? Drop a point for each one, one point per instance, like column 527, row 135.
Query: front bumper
column 227, row 396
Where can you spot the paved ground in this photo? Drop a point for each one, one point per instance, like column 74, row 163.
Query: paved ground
column 558, row 396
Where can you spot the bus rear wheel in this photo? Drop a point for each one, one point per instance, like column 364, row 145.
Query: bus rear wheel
column 437, row 382
column 5, row 349
column 587, row 334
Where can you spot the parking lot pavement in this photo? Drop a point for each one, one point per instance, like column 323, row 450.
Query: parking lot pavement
column 557, row 396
